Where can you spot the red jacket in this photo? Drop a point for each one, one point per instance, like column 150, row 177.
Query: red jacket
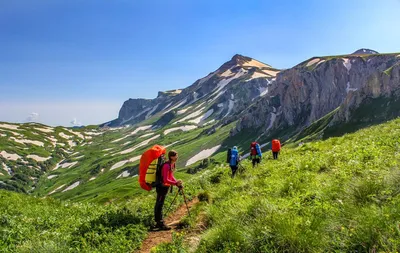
column 168, row 174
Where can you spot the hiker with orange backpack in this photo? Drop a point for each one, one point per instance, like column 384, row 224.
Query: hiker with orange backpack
column 167, row 180
column 276, row 148
column 155, row 172
column 255, row 153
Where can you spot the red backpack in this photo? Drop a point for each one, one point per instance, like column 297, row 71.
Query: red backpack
column 276, row 145
column 150, row 166
column 253, row 150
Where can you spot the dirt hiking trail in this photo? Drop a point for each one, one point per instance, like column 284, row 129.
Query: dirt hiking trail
column 154, row 238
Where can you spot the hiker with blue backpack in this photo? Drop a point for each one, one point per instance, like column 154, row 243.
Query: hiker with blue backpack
column 233, row 159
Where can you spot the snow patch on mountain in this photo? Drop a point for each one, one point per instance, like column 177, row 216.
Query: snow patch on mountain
column 176, row 106
column 119, row 164
column 72, row 186
column 9, row 156
column 57, row 189
column 263, row 91
column 180, row 112
column 223, row 83
column 38, row 158
column 230, row 107
column 312, row 62
column 8, row 126
column 202, row 155
column 45, row 130
column 25, row 141
column 183, row 128
column 203, row 117
column 347, row 64
column 124, row 174
column 143, row 143
column 190, row 116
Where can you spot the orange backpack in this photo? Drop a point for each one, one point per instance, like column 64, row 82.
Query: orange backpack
column 276, row 145
column 150, row 166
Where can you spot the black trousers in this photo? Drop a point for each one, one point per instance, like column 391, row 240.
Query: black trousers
column 158, row 208
column 275, row 155
column 255, row 161
column 234, row 168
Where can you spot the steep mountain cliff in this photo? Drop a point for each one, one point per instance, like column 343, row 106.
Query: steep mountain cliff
column 314, row 88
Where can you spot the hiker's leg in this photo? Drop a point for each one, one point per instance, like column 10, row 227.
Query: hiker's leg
column 254, row 162
column 157, row 207
column 277, row 153
column 161, row 194
column 234, row 169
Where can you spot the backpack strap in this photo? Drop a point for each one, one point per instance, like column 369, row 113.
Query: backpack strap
column 160, row 165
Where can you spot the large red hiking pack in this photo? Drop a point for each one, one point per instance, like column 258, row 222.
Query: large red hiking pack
column 276, row 145
column 150, row 166
column 253, row 149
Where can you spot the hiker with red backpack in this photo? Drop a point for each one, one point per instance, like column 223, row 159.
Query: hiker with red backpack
column 167, row 180
column 255, row 153
column 276, row 148
column 155, row 172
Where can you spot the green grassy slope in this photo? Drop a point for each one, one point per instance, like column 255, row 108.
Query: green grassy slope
column 341, row 195
column 30, row 224
column 336, row 195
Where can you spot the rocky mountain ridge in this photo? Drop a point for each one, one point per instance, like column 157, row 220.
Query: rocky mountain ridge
column 316, row 87
column 270, row 101
column 225, row 91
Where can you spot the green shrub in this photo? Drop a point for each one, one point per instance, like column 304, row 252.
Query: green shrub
column 204, row 196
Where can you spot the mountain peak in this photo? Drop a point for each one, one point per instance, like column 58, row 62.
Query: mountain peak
column 243, row 61
column 365, row 51
column 240, row 58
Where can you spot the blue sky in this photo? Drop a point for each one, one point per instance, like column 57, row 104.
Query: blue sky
column 81, row 59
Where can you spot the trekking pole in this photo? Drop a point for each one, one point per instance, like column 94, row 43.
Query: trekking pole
column 176, row 195
column 184, row 197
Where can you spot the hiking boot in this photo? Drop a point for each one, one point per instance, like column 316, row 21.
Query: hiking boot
column 162, row 226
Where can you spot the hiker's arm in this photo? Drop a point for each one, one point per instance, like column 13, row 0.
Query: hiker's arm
column 178, row 182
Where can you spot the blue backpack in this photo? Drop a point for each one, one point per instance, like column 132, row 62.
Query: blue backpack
column 234, row 157
column 258, row 148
